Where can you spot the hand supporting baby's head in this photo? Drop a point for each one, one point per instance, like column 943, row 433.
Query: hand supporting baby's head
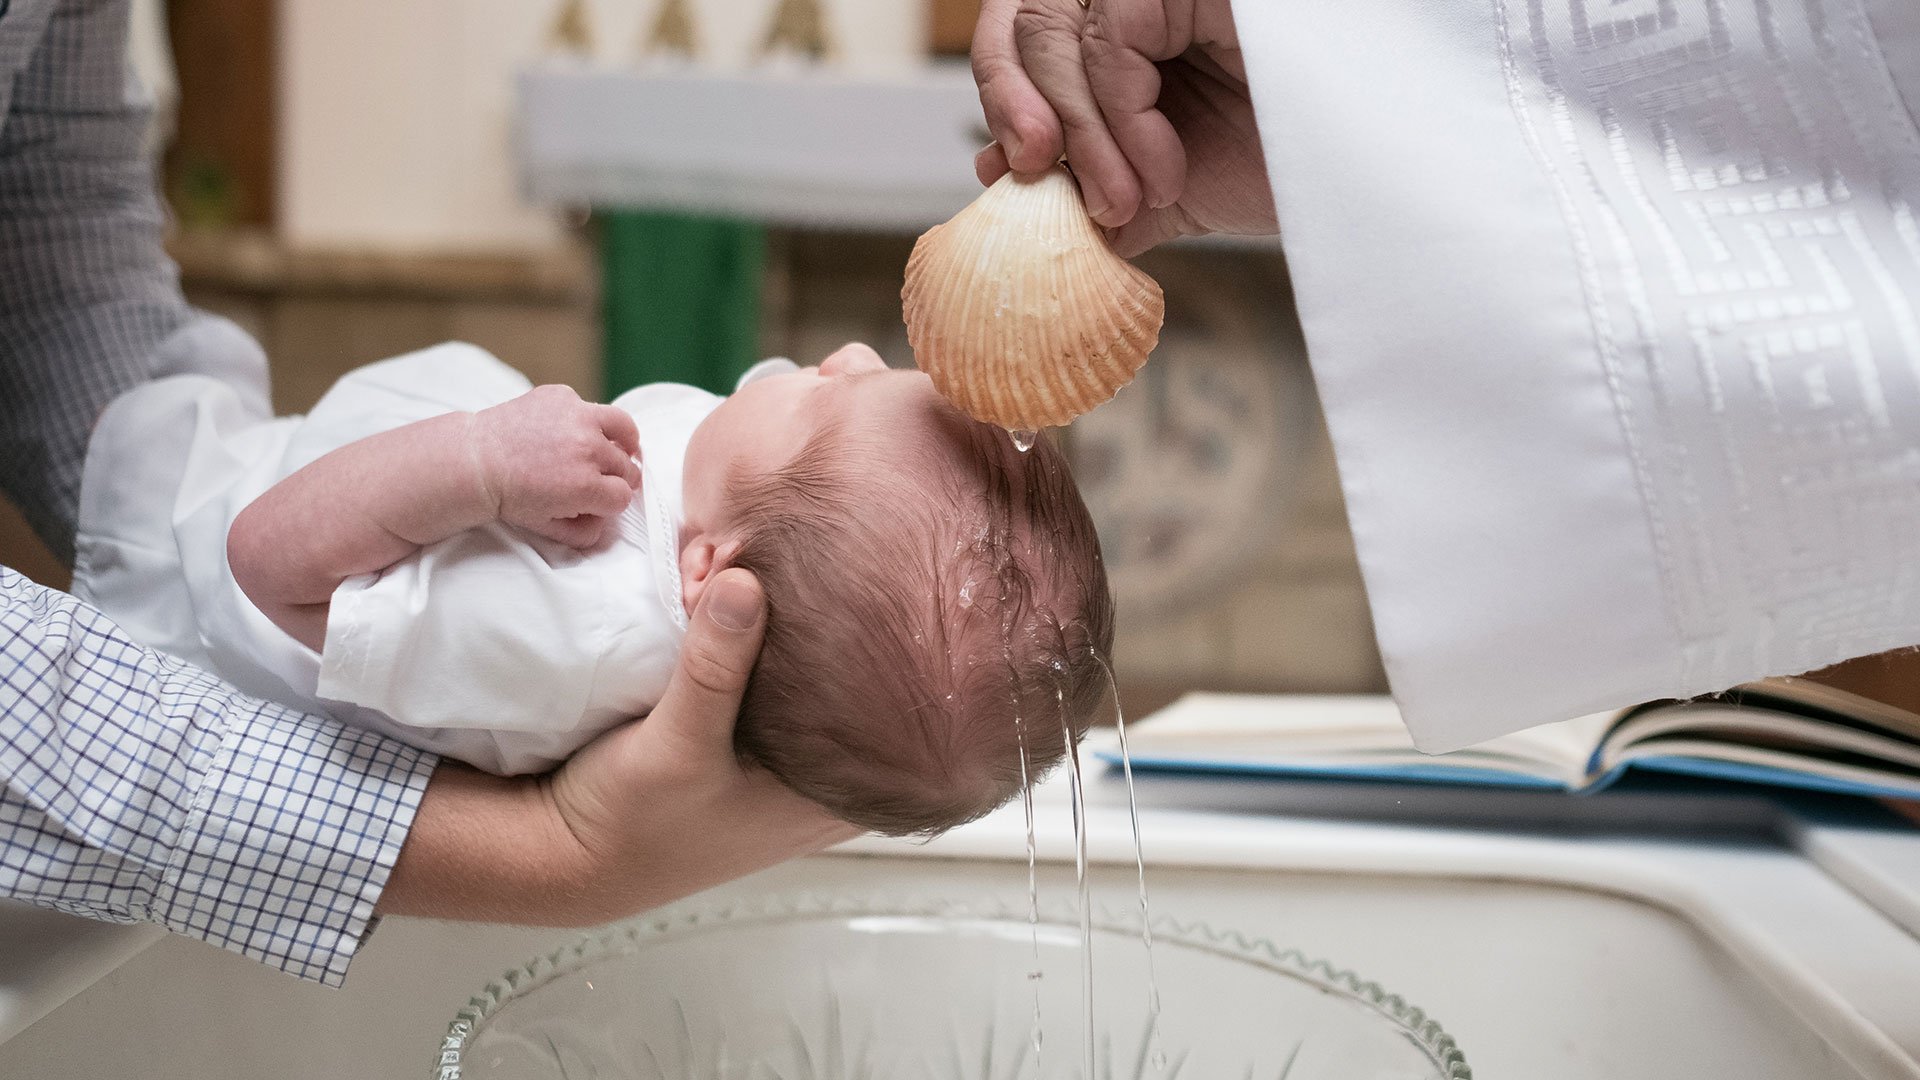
column 936, row 608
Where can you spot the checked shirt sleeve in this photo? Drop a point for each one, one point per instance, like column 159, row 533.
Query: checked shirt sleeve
column 138, row 788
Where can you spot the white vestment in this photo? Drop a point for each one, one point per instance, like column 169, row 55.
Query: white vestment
column 1614, row 307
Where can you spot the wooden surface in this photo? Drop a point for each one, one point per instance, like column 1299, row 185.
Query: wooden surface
column 951, row 24
column 224, row 54
column 21, row 550
column 321, row 313
column 252, row 261
column 1892, row 678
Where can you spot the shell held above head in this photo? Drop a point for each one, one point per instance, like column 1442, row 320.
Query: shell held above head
column 1019, row 310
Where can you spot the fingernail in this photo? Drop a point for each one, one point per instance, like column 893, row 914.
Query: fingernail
column 1096, row 203
column 1011, row 145
column 734, row 605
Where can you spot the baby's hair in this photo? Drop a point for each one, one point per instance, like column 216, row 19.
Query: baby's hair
column 928, row 623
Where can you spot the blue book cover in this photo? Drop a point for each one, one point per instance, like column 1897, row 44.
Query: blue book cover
column 1783, row 732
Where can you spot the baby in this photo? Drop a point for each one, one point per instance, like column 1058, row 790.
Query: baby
column 500, row 573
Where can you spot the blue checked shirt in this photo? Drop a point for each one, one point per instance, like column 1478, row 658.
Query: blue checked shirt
column 134, row 786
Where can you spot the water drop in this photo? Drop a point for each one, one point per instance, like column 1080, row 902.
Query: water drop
column 1024, row 438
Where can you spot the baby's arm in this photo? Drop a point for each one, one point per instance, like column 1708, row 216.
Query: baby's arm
column 545, row 461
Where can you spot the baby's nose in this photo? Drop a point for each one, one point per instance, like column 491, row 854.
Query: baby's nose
column 852, row 359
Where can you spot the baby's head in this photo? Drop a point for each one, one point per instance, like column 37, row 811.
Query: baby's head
column 936, row 600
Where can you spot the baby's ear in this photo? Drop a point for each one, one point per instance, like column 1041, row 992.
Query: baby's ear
column 701, row 559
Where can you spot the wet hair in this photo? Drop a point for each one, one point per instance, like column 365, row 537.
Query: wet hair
column 937, row 611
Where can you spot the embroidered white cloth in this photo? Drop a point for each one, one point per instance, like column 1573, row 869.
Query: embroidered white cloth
column 495, row 647
column 1612, row 306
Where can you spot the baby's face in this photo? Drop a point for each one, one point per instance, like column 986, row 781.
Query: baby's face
column 766, row 423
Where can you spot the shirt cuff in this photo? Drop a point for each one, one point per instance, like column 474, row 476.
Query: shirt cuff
column 349, row 662
column 290, row 840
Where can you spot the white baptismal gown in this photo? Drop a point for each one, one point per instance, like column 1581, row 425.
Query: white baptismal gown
column 496, row 647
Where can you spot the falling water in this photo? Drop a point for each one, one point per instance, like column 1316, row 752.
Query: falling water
column 1035, row 973
column 1158, row 1056
column 1033, row 886
column 1080, row 877
column 1024, row 438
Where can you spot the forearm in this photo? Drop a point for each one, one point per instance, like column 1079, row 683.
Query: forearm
column 134, row 788
column 493, row 849
column 356, row 510
column 486, row 848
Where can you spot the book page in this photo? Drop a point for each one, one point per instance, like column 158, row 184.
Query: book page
column 1354, row 733
column 1758, row 764
column 1713, row 728
column 1803, row 694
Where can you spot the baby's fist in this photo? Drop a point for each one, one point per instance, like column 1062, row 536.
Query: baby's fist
column 555, row 465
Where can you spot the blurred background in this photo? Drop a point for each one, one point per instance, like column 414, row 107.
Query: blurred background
column 605, row 192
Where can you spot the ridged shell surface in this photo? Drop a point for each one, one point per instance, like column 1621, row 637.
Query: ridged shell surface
column 1021, row 313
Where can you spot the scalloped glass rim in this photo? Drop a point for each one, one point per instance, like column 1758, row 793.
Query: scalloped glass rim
column 634, row 934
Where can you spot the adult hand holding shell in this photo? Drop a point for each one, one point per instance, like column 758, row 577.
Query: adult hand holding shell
column 1020, row 309
column 1147, row 99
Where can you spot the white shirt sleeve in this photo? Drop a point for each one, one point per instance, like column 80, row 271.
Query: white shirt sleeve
column 1614, row 310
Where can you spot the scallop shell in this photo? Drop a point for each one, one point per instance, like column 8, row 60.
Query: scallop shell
column 1019, row 310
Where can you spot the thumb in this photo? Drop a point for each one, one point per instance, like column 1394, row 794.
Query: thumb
column 617, row 425
column 702, row 700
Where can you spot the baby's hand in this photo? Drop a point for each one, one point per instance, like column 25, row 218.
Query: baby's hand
column 555, row 465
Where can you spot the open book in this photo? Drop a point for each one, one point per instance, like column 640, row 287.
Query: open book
column 1788, row 732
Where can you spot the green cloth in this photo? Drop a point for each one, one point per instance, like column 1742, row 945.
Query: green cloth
column 681, row 298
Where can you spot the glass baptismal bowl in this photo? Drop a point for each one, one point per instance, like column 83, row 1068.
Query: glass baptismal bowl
column 836, row 989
